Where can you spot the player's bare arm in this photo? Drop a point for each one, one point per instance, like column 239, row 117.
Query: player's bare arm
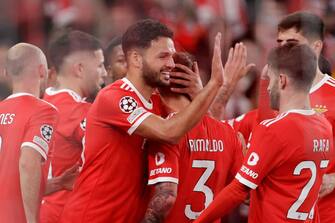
column 157, row 128
column 30, row 180
column 63, row 182
column 161, row 203
column 235, row 68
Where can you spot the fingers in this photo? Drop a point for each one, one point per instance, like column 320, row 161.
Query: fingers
column 185, row 69
column 73, row 169
column 217, row 47
column 178, row 75
column 180, row 90
column 196, row 68
column 185, row 83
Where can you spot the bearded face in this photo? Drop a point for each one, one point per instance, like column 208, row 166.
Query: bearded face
column 156, row 77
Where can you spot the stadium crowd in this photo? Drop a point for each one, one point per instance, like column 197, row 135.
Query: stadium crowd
column 206, row 112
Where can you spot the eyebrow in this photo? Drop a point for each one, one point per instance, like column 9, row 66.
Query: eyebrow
column 288, row 40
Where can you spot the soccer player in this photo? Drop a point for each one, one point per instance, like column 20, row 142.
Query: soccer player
column 187, row 176
column 288, row 154
column 79, row 63
column 115, row 61
column 111, row 186
column 26, row 135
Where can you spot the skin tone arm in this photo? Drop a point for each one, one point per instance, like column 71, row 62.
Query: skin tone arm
column 161, row 203
column 235, row 68
column 63, row 182
column 328, row 184
column 30, row 180
column 157, row 128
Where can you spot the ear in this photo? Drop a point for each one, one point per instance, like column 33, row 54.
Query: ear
column 283, row 79
column 135, row 58
column 42, row 71
column 317, row 47
column 77, row 69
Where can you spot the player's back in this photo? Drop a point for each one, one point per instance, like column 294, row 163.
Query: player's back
column 19, row 127
column 111, row 186
column 210, row 156
column 68, row 145
column 299, row 146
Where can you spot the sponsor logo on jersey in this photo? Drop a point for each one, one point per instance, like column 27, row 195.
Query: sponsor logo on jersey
column 128, row 104
column 253, row 159
column 320, row 108
column 46, row 132
column 159, row 158
column 135, row 114
column 164, row 170
column 249, row 172
column 83, row 124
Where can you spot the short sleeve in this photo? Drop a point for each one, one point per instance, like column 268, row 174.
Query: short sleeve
column 263, row 155
column 121, row 109
column 40, row 130
column 163, row 163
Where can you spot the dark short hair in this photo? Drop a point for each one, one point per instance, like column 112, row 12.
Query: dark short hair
column 140, row 34
column 298, row 61
column 311, row 26
column 68, row 43
column 110, row 47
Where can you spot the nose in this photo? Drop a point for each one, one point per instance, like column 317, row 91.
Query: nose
column 170, row 63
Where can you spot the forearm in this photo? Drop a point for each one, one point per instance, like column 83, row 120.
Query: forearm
column 232, row 195
column 30, row 181
column 161, row 203
column 217, row 109
column 191, row 115
column 53, row 185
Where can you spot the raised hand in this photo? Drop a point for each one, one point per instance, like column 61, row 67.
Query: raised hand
column 189, row 79
column 217, row 66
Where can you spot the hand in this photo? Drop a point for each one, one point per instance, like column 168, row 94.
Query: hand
column 264, row 74
column 328, row 184
column 236, row 66
column 67, row 178
column 243, row 143
column 217, row 67
column 190, row 79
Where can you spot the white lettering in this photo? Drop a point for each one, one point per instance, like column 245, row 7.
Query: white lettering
column 6, row 119
column 249, row 172
column 205, row 145
column 160, row 171
column 321, row 145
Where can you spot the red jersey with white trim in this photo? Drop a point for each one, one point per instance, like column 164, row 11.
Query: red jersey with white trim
column 245, row 123
column 204, row 161
column 68, row 145
column 322, row 98
column 111, row 186
column 25, row 121
column 287, row 158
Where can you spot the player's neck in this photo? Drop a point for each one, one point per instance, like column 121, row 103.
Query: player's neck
column 298, row 101
column 175, row 102
column 20, row 87
column 318, row 77
column 66, row 83
column 139, row 83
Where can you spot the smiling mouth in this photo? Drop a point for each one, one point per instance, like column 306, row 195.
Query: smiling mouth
column 166, row 75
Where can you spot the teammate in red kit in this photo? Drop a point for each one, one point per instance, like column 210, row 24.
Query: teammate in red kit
column 196, row 169
column 111, row 186
column 79, row 63
column 288, row 155
column 26, row 135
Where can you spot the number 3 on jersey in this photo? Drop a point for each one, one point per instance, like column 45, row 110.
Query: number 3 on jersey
column 209, row 165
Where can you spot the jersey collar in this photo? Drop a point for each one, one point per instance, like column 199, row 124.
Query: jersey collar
column 147, row 104
column 15, row 95
column 319, row 84
column 73, row 94
column 302, row 111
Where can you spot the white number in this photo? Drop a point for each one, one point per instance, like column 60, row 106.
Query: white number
column 0, row 142
column 201, row 187
column 293, row 211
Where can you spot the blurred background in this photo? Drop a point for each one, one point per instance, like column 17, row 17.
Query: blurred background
column 194, row 22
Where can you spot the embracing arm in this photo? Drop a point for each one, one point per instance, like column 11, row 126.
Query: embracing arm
column 161, row 203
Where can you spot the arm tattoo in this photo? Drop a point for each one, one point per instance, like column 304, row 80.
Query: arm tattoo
column 161, row 203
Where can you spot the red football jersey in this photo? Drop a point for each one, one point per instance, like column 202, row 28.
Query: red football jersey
column 322, row 98
column 287, row 158
column 111, row 186
column 24, row 121
column 204, row 161
column 68, row 145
